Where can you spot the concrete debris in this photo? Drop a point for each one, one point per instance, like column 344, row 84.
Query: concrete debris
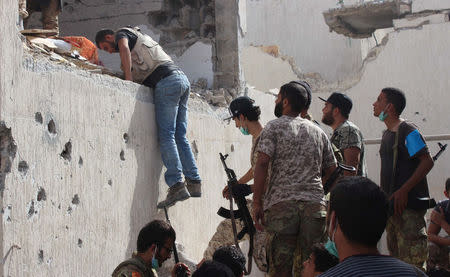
column 41, row 47
column 217, row 98
column 362, row 19
column 183, row 21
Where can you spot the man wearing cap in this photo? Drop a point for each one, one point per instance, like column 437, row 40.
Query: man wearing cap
column 346, row 137
column 291, row 208
column 245, row 115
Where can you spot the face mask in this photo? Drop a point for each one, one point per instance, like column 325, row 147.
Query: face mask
column 155, row 262
column 243, row 130
column 330, row 246
column 278, row 109
column 383, row 115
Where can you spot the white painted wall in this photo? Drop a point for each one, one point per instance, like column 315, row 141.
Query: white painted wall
column 298, row 28
column 93, row 112
column 415, row 61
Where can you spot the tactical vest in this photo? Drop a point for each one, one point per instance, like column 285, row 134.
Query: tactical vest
column 134, row 264
column 146, row 55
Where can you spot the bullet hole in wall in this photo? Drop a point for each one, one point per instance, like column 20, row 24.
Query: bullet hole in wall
column 67, row 151
column 126, row 138
column 76, row 199
column 41, row 196
column 80, row 161
column 41, row 256
column 31, row 210
column 232, row 148
column 110, row 182
column 38, row 118
column 23, row 167
column 122, row 155
column 194, row 149
column 51, row 126
column 80, row 243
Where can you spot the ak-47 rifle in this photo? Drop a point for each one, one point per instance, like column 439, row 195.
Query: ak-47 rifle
column 441, row 149
column 180, row 271
column 242, row 213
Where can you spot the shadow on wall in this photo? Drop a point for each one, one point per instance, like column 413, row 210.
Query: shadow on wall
column 142, row 138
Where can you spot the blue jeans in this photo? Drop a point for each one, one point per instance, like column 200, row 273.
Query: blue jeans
column 171, row 96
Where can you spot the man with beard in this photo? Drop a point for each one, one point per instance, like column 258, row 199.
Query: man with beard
column 346, row 137
column 292, row 208
column 145, row 62
column 154, row 246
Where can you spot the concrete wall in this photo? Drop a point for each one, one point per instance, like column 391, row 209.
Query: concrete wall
column 80, row 216
column 153, row 17
column 415, row 61
column 298, row 28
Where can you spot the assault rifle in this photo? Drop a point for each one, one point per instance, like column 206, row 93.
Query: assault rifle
column 242, row 213
column 180, row 271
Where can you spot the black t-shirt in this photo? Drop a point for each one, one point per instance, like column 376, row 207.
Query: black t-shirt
column 445, row 205
column 410, row 146
column 123, row 33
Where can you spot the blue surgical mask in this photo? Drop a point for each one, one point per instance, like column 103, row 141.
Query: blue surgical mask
column 244, row 131
column 330, row 245
column 382, row 116
column 155, row 263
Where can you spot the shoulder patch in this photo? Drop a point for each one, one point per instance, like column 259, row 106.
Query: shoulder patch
column 414, row 142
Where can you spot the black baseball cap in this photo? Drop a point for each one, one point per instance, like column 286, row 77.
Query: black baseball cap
column 340, row 100
column 240, row 105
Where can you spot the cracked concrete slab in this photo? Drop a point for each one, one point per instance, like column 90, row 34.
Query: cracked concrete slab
column 265, row 71
column 361, row 20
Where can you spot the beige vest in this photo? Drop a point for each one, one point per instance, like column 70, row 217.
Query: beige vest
column 146, row 56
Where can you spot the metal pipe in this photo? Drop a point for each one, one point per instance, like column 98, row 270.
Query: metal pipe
column 427, row 138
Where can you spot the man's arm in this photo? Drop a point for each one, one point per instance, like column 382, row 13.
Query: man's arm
column 260, row 176
column 125, row 58
column 401, row 195
column 327, row 173
column 351, row 158
column 435, row 227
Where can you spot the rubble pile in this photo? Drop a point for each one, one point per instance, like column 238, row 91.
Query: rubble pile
column 221, row 97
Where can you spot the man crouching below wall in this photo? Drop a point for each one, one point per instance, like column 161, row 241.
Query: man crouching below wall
column 154, row 246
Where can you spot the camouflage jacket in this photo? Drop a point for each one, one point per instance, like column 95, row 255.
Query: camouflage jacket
column 134, row 267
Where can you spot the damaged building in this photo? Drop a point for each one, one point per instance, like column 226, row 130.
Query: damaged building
column 81, row 171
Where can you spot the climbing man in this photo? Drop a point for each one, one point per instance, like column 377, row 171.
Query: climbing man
column 145, row 62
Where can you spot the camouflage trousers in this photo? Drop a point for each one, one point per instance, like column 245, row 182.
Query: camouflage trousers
column 407, row 238
column 438, row 256
column 50, row 12
column 293, row 226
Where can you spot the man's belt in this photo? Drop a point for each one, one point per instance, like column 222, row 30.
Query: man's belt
column 160, row 73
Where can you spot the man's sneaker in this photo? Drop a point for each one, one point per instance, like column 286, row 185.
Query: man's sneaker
column 194, row 187
column 177, row 192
